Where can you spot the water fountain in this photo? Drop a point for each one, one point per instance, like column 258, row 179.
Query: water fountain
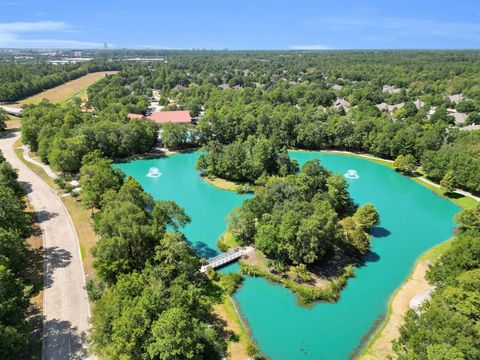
column 154, row 172
column 351, row 174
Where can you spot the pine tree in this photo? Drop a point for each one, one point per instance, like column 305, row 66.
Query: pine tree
column 448, row 182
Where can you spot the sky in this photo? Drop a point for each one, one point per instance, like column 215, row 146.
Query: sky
column 245, row 24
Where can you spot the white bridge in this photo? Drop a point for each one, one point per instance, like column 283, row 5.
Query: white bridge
column 225, row 258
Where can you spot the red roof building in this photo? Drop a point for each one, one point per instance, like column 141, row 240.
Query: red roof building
column 162, row 117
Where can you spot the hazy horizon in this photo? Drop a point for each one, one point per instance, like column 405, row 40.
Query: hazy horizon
column 246, row 25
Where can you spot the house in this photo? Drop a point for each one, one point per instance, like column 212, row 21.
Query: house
column 472, row 127
column 460, row 118
column 419, row 104
column 390, row 89
column 336, row 87
column 163, row 117
column 389, row 108
column 224, row 86
column 456, row 98
column 180, row 88
column 341, row 104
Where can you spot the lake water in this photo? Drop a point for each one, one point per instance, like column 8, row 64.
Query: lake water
column 413, row 219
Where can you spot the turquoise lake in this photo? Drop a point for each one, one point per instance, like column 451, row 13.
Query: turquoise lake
column 413, row 219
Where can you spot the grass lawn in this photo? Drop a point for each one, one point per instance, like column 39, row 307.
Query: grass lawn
column 221, row 183
column 13, row 122
column 239, row 345
column 371, row 158
column 464, row 202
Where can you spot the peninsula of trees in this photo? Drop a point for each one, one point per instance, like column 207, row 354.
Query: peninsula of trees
column 300, row 221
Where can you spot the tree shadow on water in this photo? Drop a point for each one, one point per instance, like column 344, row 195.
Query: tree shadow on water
column 371, row 256
column 54, row 258
column 380, row 232
column 203, row 251
column 63, row 341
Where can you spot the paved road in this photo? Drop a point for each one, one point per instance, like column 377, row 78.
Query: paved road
column 65, row 305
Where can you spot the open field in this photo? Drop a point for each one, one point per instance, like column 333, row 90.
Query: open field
column 66, row 91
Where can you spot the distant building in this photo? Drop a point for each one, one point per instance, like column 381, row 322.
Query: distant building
column 77, row 53
column 180, row 88
column 152, row 59
column 419, row 104
column 224, row 86
column 456, row 98
column 341, row 104
column 472, row 127
column 390, row 89
column 460, row 118
column 389, row 108
column 163, row 117
column 68, row 61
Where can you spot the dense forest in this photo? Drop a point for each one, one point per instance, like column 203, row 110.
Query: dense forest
column 19, row 81
column 15, row 327
column 150, row 300
column 62, row 134
column 388, row 103
column 447, row 326
column 249, row 108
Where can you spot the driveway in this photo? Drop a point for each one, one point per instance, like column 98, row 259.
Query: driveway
column 66, row 309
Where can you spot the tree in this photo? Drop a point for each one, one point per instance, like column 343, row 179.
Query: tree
column 12, row 216
column 3, row 119
column 67, row 153
column 14, row 330
column 178, row 335
column 468, row 220
column 176, row 136
column 367, row 217
column 405, row 163
column 130, row 225
column 8, row 178
column 338, row 193
column 96, row 177
column 448, row 182
column 13, row 250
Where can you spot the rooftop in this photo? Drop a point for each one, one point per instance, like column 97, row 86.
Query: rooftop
column 162, row 117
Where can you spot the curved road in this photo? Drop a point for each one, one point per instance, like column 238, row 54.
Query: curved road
column 65, row 307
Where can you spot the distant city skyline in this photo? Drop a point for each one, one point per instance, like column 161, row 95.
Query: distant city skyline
column 236, row 25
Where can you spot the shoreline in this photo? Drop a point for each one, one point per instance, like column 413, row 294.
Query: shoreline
column 379, row 343
column 462, row 198
column 221, row 184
